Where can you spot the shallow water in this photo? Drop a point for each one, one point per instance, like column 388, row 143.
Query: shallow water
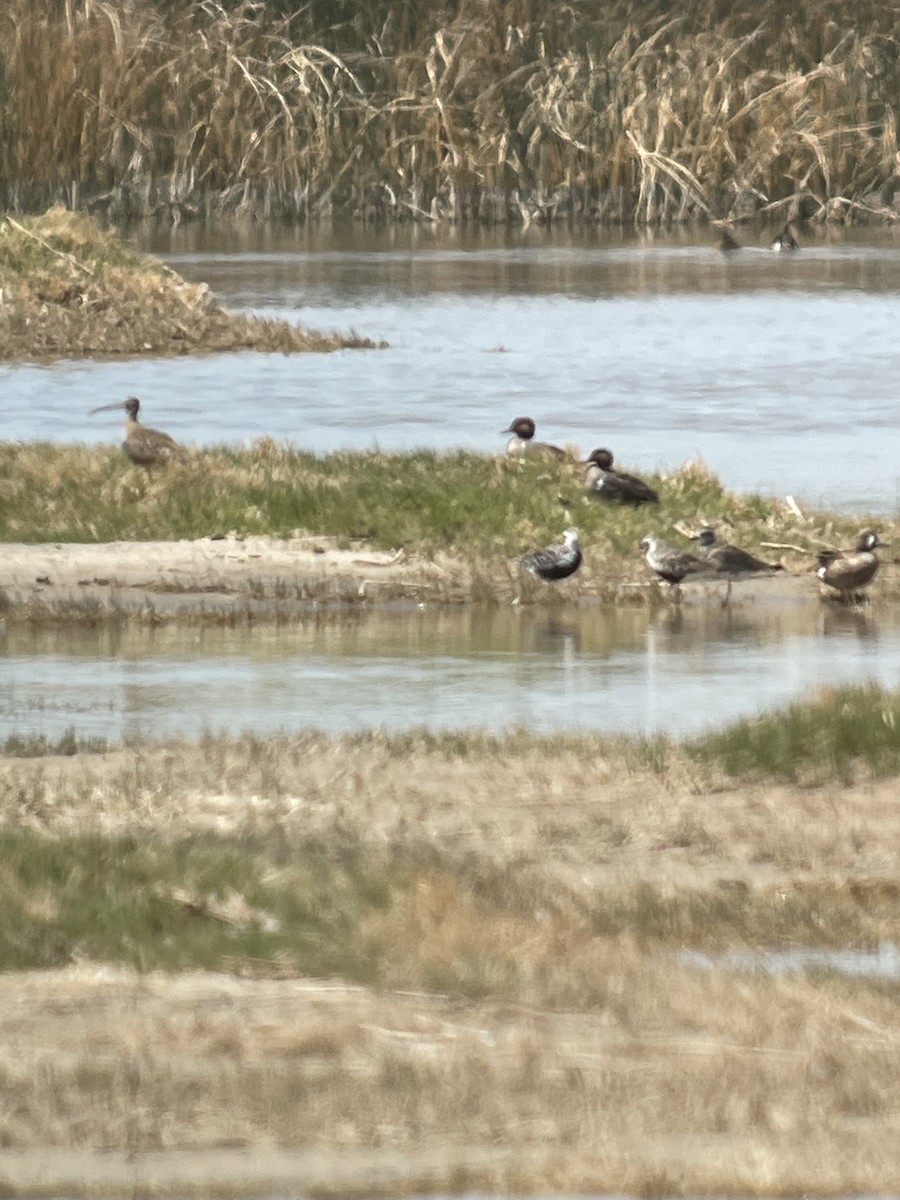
column 624, row 670
column 778, row 370
column 881, row 963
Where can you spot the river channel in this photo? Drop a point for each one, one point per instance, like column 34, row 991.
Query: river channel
column 778, row 370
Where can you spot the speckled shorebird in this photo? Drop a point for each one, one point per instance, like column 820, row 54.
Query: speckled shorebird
column 602, row 482
column 144, row 446
column 731, row 561
column 670, row 564
column 555, row 562
column 786, row 240
column 847, row 571
column 523, row 445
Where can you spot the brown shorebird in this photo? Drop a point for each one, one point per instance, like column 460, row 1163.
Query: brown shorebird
column 849, row 570
column 523, row 445
column 731, row 561
column 144, row 446
column 602, row 482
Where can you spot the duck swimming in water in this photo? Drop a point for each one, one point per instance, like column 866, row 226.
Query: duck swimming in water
column 670, row 564
column 849, row 570
column 602, row 482
column 523, row 445
column 144, row 446
column 785, row 240
column 555, row 562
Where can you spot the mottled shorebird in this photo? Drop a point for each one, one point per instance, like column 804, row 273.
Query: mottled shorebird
column 523, row 445
column 603, row 482
column 555, row 562
column 847, row 571
column 731, row 561
column 144, row 446
column 670, row 564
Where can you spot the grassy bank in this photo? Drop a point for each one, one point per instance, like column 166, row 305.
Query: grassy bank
column 498, row 923
column 70, row 289
column 315, row 854
column 526, row 110
column 474, row 505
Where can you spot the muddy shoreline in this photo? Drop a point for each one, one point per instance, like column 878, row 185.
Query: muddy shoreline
column 257, row 577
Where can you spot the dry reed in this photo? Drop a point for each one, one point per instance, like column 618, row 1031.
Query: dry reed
column 521, row 111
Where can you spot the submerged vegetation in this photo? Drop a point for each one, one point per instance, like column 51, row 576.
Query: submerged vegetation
column 69, row 289
column 520, row 110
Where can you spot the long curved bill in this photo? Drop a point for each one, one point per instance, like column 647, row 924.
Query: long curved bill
column 107, row 407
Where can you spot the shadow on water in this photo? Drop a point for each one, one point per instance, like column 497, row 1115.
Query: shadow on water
column 620, row 670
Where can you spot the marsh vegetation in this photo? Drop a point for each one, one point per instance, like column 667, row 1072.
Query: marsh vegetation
column 69, row 289
column 502, row 959
column 517, row 111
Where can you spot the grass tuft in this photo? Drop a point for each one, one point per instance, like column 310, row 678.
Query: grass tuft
column 841, row 733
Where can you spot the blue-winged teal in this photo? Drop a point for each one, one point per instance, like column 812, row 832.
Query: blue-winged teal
column 523, row 445
column 144, row 446
column 849, row 570
column 555, row 562
column 602, row 482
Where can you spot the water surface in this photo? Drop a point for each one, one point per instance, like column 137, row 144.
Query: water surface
column 778, row 370
column 622, row 670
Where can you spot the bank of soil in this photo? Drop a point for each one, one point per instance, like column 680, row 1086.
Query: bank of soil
column 69, row 289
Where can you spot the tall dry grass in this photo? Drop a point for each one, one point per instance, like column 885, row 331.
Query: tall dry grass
column 522, row 110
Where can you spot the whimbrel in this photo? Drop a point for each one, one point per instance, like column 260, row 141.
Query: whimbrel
column 144, row 446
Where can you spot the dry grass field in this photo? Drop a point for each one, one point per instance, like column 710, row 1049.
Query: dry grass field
column 450, row 962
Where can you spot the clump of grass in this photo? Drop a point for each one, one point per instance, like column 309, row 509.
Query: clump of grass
column 72, row 289
column 36, row 745
column 841, row 733
column 176, row 905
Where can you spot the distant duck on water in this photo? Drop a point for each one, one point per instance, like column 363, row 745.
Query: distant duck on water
column 727, row 242
column 785, row 240
column 555, row 562
column 523, row 445
column 144, row 446
column 847, row 571
column 602, row 482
